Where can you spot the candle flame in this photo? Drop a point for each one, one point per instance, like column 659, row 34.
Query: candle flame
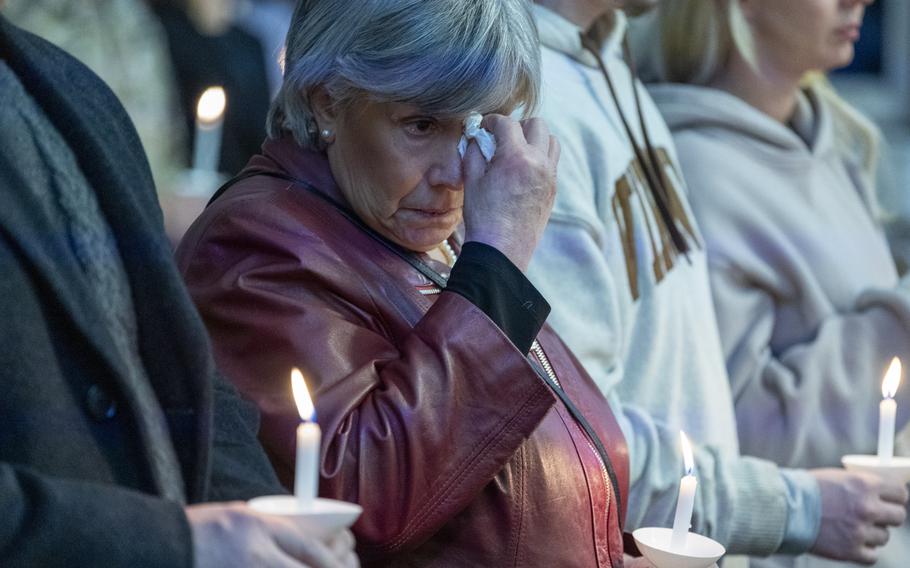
column 892, row 379
column 688, row 459
column 302, row 396
column 211, row 105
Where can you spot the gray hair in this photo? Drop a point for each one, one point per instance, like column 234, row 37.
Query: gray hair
column 448, row 57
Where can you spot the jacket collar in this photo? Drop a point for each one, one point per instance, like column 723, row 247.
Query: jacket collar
column 286, row 156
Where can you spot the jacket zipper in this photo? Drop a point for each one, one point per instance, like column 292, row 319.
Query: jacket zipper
column 548, row 369
column 544, row 362
column 430, row 291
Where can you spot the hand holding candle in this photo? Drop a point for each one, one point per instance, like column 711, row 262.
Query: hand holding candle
column 887, row 411
column 686, row 500
column 306, row 479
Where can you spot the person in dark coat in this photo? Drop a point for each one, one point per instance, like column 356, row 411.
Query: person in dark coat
column 114, row 425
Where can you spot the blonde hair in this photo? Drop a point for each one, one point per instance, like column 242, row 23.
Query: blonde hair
column 448, row 57
column 690, row 41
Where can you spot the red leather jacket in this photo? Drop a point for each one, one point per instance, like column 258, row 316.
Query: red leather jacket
column 432, row 420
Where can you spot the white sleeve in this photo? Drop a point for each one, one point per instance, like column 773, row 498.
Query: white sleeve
column 820, row 394
column 569, row 269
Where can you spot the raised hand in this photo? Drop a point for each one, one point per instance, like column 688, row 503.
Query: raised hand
column 507, row 202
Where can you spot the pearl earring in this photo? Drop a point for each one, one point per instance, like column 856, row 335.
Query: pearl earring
column 326, row 133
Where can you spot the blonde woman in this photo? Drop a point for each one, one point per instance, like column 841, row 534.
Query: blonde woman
column 809, row 306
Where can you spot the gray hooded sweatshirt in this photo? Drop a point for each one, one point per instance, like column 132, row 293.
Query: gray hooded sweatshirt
column 807, row 298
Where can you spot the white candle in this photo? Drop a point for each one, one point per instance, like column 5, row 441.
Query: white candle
column 209, row 122
column 887, row 410
column 306, row 477
column 686, row 501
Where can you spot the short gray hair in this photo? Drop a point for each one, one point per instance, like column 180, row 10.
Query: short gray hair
column 448, row 57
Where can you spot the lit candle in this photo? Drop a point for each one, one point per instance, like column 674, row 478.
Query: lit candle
column 886, row 411
column 306, row 479
column 209, row 122
column 686, row 501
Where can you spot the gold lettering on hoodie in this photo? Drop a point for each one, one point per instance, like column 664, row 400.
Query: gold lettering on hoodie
column 631, row 188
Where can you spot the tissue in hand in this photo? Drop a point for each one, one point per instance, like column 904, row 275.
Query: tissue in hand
column 473, row 131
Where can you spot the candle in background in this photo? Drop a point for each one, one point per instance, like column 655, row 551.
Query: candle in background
column 886, row 411
column 306, row 478
column 686, row 501
column 209, row 122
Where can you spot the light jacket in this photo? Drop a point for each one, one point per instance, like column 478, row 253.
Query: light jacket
column 432, row 420
column 807, row 296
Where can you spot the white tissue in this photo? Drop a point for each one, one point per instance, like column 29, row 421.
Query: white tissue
column 473, row 131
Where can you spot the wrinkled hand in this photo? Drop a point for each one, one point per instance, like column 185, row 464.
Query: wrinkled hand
column 507, row 202
column 857, row 510
column 227, row 535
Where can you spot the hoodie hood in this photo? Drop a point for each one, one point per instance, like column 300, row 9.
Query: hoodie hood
column 696, row 108
column 559, row 34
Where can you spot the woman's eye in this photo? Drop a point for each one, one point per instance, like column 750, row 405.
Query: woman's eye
column 420, row 127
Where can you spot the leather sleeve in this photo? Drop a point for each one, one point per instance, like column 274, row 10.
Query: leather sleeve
column 416, row 419
column 51, row 522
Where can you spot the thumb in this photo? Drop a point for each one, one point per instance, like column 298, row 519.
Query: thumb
column 473, row 165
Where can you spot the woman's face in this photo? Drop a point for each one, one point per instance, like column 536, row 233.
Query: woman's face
column 400, row 171
column 798, row 36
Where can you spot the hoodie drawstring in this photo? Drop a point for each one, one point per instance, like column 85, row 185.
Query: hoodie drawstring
column 650, row 163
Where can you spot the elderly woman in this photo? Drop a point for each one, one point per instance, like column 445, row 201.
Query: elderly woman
column 463, row 426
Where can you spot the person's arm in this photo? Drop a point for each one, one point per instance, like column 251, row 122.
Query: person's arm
column 804, row 395
column 240, row 469
column 55, row 522
column 799, row 508
column 817, row 398
column 570, row 262
column 50, row 521
column 413, row 429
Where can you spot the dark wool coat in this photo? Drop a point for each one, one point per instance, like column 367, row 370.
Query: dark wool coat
column 74, row 483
